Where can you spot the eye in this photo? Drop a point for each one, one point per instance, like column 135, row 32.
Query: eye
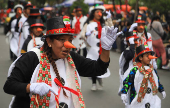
column 70, row 40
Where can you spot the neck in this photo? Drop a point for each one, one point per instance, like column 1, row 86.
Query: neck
column 96, row 19
column 78, row 15
column 143, row 64
column 26, row 15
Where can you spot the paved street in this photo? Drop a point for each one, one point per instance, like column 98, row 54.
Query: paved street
column 108, row 98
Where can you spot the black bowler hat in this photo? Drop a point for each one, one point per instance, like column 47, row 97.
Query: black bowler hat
column 141, row 50
column 140, row 19
column 131, row 35
column 27, row 4
column 34, row 12
column 59, row 26
column 37, row 23
column 78, row 8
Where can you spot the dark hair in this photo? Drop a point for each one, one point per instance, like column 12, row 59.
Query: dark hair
column 153, row 19
column 91, row 17
column 48, row 51
column 140, row 56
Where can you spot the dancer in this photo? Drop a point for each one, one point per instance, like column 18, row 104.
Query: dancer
column 14, row 42
column 51, row 74
column 144, row 82
column 127, row 58
column 34, row 39
column 95, row 22
column 77, row 24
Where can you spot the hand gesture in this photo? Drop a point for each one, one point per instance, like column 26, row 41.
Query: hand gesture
column 108, row 37
column 133, row 26
column 41, row 88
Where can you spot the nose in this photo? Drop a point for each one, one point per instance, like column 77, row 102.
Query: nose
column 152, row 57
column 100, row 14
column 39, row 29
column 67, row 44
column 20, row 11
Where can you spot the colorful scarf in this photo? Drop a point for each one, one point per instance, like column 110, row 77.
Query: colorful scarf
column 77, row 25
column 148, row 75
column 45, row 76
column 99, row 27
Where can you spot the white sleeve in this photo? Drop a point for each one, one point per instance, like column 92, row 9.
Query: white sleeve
column 25, row 30
column 13, row 25
column 151, row 48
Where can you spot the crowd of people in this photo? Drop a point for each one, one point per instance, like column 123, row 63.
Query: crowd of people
column 49, row 56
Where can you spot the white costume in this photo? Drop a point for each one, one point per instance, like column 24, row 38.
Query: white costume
column 93, row 41
column 77, row 42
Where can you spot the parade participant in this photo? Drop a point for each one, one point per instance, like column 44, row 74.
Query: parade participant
column 144, row 82
column 95, row 22
column 34, row 14
column 54, row 70
column 77, row 24
column 156, row 29
column 26, row 13
column 34, row 39
column 143, row 35
column 14, row 42
column 127, row 57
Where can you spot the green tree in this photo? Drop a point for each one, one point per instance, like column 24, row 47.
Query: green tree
column 85, row 7
column 158, row 5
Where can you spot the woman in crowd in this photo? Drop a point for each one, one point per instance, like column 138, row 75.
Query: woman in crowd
column 50, row 74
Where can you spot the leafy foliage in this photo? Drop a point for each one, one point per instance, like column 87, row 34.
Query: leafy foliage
column 85, row 7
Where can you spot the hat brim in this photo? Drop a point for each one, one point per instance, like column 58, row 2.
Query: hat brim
column 137, row 58
column 95, row 8
column 140, row 21
column 49, row 35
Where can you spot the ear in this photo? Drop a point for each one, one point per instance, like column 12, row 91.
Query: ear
column 49, row 42
column 140, row 58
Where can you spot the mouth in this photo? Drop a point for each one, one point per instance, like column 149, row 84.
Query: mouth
column 65, row 52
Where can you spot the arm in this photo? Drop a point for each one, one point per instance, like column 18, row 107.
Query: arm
column 20, row 77
column 160, row 88
column 160, row 29
column 87, row 67
column 129, row 54
column 129, row 80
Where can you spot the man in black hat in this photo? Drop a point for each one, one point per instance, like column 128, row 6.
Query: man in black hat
column 143, row 81
column 77, row 24
column 34, row 14
column 27, row 7
column 34, row 39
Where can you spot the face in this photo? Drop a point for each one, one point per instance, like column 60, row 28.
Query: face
column 79, row 13
column 27, row 11
column 98, row 14
column 145, row 59
column 35, row 32
column 59, row 51
column 140, row 27
column 19, row 11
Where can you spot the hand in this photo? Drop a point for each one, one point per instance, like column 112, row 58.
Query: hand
column 133, row 26
column 124, row 98
column 163, row 95
column 131, row 41
column 108, row 37
column 41, row 88
column 109, row 15
column 88, row 33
